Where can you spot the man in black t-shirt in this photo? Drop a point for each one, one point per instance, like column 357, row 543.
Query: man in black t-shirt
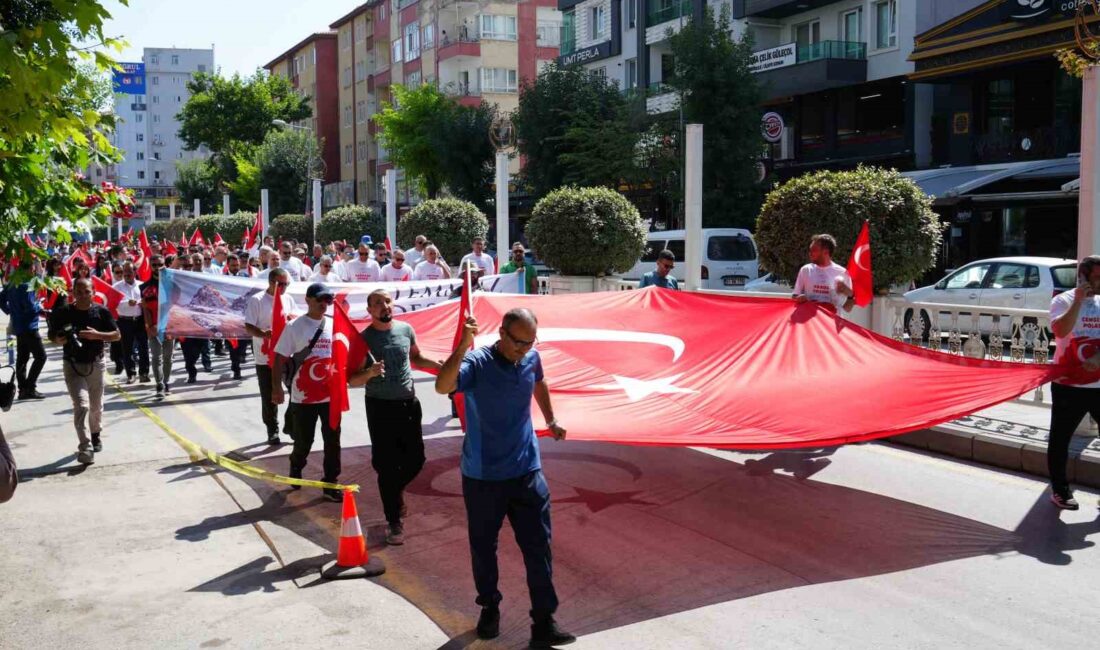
column 83, row 327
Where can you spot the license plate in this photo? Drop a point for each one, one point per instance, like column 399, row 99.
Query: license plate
column 734, row 280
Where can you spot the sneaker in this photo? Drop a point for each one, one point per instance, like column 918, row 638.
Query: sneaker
column 395, row 536
column 160, row 390
column 332, row 494
column 85, row 457
column 144, row 379
column 273, row 440
column 208, row 367
column 97, row 445
column 295, row 474
column 192, row 379
column 547, row 634
column 488, row 624
column 1063, row 498
column 237, row 375
column 130, row 379
column 31, row 394
column 166, row 389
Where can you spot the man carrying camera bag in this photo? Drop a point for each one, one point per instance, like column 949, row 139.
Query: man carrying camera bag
column 82, row 327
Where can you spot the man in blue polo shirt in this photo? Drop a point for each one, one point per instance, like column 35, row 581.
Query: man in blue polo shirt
column 501, row 468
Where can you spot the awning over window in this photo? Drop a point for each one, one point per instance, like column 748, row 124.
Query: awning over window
column 948, row 184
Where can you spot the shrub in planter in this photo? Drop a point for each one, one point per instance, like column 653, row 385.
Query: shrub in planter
column 450, row 224
column 207, row 224
column 586, row 231
column 905, row 232
column 232, row 227
column 172, row 230
column 292, row 226
column 350, row 222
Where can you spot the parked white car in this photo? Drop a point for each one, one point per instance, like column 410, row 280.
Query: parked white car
column 1013, row 282
column 768, row 283
column 729, row 257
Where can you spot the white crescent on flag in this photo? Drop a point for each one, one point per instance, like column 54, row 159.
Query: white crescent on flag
column 555, row 334
column 860, row 251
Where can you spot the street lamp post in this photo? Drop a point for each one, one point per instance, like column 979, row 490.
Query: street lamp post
column 283, row 124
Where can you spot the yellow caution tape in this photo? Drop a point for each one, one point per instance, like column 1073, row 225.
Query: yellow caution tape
column 196, row 451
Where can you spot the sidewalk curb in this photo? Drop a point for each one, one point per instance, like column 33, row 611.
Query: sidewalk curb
column 1008, row 452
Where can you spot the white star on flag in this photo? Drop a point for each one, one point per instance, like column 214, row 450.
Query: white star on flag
column 638, row 389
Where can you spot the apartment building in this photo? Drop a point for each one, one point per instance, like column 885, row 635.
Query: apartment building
column 473, row 51
column 310, row 66
column 148, row 95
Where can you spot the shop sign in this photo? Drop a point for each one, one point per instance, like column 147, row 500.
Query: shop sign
column 1026, row 11
column 771, row 127
column 774, row 57
column 587, row 54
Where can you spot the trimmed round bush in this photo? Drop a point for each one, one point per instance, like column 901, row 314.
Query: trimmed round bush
column 208, row 224
column 905, row 232
column 292, row 226
column 172, row 230
column 350, row 222
column 586, row 231
column 450, row 224
column 232, row 227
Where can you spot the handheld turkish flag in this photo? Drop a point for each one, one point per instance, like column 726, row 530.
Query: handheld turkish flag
column 465, row 310
column 1080, row 350
column 145, row 270
column 106, row 295
column 170, row 248
column 278, row 324
column 348, row 352
column 246, row 237
column 258, row 227
column 389, row 246
column 66, row 273
column 218, row 241
column 183, row 242
column 859, row 268
column 196, row 239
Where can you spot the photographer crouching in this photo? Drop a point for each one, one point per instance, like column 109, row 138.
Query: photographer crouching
column 82, row 327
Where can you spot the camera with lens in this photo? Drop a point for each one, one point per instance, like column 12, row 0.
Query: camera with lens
column 72, row 340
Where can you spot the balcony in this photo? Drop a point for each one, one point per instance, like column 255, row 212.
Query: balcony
column 466, row 93
column 467, row 45
column 818, row 66
column 661, row 98
column 780, row 8
column 666, row 11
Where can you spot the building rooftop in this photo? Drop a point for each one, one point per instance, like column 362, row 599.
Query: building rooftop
column 299, row 45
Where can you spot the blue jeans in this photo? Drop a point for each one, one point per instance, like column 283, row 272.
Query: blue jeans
column 526, row 502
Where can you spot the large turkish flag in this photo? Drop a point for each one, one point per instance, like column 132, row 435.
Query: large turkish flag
column 677, row 368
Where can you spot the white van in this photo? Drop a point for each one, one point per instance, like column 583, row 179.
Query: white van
column 729, row 257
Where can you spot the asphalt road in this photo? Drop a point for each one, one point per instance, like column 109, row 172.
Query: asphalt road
column 866, row 546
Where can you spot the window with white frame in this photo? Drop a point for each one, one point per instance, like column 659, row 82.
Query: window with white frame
column 156, row 175
column 501, row 28
column 156, row 99
column 851, row 25
column 347, row 154
column 631, row 13
column 156, row 119
column 347, row 116
column 141, row 155
column 313, row 54
column 396, row 45
column 175, row 59
column 807, row 33
column 347, row 77
column 139, row 118
column 549, row 34
column 498, row 80
column 596, row 18
column 412, row 80
column 141, row 174
column 202, row 67
column 886, row 24
column 156, row 80
column 630, row 71
column 429, row 36
column 360, row 110
column 412, row 41
column 156, row 155
column 361, row 150
column 154, row 60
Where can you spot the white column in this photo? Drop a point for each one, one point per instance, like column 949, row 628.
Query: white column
column 502, row 209
column 265, row 209
column 171, row 210
column 152, row 210
column 1088, row 225
column 693, row 208
column 198, row 209
column 225, row 204
column 317, row 205
column 391, row 205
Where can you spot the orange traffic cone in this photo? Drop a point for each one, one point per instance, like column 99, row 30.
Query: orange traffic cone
column 352, row 558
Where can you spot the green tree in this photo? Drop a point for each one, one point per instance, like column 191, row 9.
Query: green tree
column 51, row 120
column 198, row 179
column 564, row 101
column 246, row 188
column 408, row 131
column 292, row 226
column 466, row 155
column 450, row 224
column 223, row 110
column 283, row 160
column 718, row 91
column 586, row 231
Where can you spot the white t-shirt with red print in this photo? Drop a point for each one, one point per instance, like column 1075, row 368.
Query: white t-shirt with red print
column 1084, row 340
column 818, row 283
column 257, row 313
column 310, row 384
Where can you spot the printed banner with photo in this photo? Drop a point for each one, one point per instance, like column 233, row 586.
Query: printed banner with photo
column 210, row 306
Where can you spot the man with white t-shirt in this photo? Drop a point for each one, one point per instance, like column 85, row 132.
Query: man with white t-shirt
column 306, row 344
column 324, row 272
column 483, row 260
column 131, row 324
column 823, row 280
column 1075, row 321
column 416, row 253
column 431, row 267
column 293, row 265
column 397, row 270
column 257, row 321
column 363, row 268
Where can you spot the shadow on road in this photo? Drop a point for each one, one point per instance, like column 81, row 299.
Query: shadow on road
column 639, row 533
column 59, row 466
column 257, row 577
column 1044, row 536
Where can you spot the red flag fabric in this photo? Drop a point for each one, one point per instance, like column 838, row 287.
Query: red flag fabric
column 106, row 295
column 278, row 324
column 734, row 372
column 247, row 239
column 348, row 352
column 68, row 265
column 859, row 268
column 258, row 226
column 218, row 241
column 389, row 246
column 170, row 248
column 465, row 310
column 66, row 274
column 27, row 241
column 197, row 239
column 1077, row 352
column 144, row 266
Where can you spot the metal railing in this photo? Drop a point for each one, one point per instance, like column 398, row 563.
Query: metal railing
column 853, row 50
column 670, row 11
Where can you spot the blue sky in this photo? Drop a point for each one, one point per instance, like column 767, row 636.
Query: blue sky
column 245, row 33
